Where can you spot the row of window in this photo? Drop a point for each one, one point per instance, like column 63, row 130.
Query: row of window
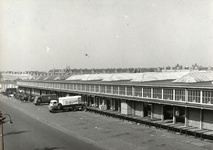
column 145, row 92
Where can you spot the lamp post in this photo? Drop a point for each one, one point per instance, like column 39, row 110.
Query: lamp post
column 2, row 121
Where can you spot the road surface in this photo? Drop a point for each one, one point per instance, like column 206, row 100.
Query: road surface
column 27, row 133
column 104, row 132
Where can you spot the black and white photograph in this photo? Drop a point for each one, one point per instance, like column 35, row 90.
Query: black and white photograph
column 106, row 74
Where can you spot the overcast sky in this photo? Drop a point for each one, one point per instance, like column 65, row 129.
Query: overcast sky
column 45, row 34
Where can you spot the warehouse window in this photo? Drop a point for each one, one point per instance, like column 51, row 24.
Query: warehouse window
column 72, row 86
column 83, row 87
column 194, row 96
column 87, row 87
column 62, row 85
column 122, row 90
column 97, row 88
column 79, row 87
column 180, row 94
column 168, row 94
column 138, row 91
column 115, row 90
column 147, row 92
column 129, row 90
column 92, row 88
column 67, row 87
column 207, row 97
column 102, row 89
column 108, row 89
column 54, row 85
column 157, row 93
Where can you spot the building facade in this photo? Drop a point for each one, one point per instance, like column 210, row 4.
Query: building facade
column 174, row 97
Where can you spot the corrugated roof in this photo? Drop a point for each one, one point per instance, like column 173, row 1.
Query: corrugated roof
column 62, row 77
column 156, row 76
column 199, row 76
column 41, row 77
column 95, row 77
column 78, row 77
column 121, row 77
column 105, row 77
column 52, row 77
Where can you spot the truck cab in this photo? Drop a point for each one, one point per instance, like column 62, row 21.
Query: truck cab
column 53, row 105
column 44, row 99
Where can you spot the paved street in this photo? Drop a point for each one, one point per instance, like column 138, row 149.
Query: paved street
column 27, row 133
column 46, row 131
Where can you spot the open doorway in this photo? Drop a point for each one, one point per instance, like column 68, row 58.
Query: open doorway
column 168, row 112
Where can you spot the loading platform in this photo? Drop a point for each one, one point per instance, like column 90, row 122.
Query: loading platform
column 157, row 123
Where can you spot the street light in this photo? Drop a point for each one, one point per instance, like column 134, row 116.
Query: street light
column 2, row 121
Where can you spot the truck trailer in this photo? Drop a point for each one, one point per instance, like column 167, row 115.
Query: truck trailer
column 67, row 103
column 44, row 99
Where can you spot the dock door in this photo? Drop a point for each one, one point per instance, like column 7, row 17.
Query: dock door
column 168, row 112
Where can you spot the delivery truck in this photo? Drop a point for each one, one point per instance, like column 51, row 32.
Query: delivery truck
column 67, row 103
column 44, row 99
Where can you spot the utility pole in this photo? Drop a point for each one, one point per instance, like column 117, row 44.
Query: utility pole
column 2, row 121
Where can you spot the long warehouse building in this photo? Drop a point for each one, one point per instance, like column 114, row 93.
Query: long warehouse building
column 182, row 97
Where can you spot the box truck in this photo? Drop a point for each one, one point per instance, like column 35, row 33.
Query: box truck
column 67, row 103
column 44, row 99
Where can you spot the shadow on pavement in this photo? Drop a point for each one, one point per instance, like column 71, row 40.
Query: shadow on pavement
column 15, row 132
column 48, row 148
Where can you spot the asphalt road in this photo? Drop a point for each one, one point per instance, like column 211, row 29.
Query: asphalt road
column 27, row 133
column 35, row 128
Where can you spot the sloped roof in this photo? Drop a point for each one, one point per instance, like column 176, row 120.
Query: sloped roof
column 157, row 76
column 121, row 77
column 78, row 77
column 62, row 77
column 95, row 77
column 198, row 76
column 42, row 77
column 51, row 77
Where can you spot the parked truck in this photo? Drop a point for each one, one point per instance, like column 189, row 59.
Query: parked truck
column 44, row 99
column 67, row 103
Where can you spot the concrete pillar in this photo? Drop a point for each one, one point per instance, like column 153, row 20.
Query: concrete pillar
column 162, row 112
column 142, row 92
column 100, row 101
column 87, row 99
column 162, row 94
column 151, row 92
column 201, row 97
column 94, row 99
column 186, row 116
column 111, row 105
column 133, row 91
column 201, row 118
column 173, row 94
column 174, row 117
column 119, row 105
column 133, row 108
column 152, row 111
column 142, row 111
